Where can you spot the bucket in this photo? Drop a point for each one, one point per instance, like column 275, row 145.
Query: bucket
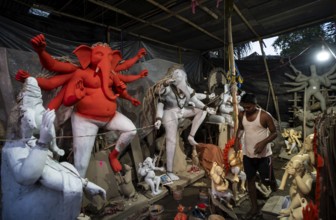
column 178, row 193
column 215, row 217
column 204, row 196
column 155, row 212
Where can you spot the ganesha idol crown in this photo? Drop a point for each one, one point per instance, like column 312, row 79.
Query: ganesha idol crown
column 100, row 44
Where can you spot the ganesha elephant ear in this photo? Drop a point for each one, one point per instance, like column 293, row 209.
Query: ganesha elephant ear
column 83, row 53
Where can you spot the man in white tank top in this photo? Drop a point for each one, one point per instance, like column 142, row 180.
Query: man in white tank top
column 256, row 131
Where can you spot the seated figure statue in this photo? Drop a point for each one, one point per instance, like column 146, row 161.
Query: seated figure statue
column 147, row 170
column 299, row 168
column 219, row 184
column 34, row 185
column 292, row 139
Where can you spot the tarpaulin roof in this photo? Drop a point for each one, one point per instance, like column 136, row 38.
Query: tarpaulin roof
column 185, row 24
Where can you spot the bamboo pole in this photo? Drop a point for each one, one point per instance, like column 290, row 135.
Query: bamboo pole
column 304, row 113
column 232, row 70
column 270, row 83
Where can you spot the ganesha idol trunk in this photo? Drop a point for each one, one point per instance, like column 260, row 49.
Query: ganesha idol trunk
column 105, row 67
column 283, row 180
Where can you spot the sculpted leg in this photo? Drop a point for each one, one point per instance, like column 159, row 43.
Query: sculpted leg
column 84, row 133
column 150, row 182
column 128, row 131
column 321, row 98
column 170, row 122
column 196, row 123
column 157, row 181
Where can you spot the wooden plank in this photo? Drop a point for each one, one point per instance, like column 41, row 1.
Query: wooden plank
column 6, row 86
column 273, row 206
column 137, row 156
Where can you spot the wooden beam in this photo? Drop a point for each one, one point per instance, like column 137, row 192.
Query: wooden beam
column 168, row 15
column 245, row 20
column 208, row 11
column 112, row 8
column 270, row 83
column 184, row 20
column 103, row 25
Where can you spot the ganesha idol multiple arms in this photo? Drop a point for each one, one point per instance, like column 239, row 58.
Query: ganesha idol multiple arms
column 90, row 58
column 93, row 88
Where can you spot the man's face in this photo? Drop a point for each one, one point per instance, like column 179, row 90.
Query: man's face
column 248, row 107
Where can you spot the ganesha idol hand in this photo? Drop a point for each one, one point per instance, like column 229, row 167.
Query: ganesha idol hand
column 21, row 75
column 143, row 73
column 135, row 102
column 39, row 43
column 80, row 90
column 142, row 52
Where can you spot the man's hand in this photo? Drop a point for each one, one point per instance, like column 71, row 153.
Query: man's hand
column 39, row 43
column 259, row 148
column 142, row 52
column 143, row 73
column 21, row 75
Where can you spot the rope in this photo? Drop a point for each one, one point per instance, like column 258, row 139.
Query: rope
column 94, row 135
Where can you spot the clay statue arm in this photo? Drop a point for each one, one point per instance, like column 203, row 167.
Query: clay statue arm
column 296, row 83
column 290, row 76
column 125, row 65
column 159, row 115
column 120, row 88
column 39, row 44
column 193, row 98
column 303, row 186
column 296, row 71
column 297, row 88
column 331, row 71
column 198, row 103
column 332, row 76
column 333, row 81
column 53, row 82
column 142, row 169
column 74, row 91
column 202, row 96
column 44, row 83
column 325, row 81
column 132, row 78
column 153, row 167
column 28, row 170
column 124, row 94
column 53, row 179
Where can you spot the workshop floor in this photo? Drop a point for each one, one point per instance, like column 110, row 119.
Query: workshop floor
column 190, row 197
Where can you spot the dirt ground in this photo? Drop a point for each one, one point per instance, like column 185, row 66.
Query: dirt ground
column 191, row 196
